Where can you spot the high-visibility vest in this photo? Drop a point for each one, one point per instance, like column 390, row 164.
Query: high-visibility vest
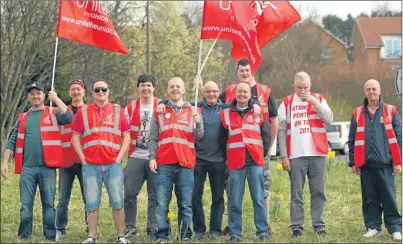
column 176, row 140
column 102, row 137
column 388, row 113
column 243, row 133
column 50, row 137
column 69, row 154
column 316, row 125
column 263, row 95
column 133, row 108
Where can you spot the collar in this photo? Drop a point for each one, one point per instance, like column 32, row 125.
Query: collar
column 97, row 107
column 380, row 103
column 235, row 109
column 204, row 103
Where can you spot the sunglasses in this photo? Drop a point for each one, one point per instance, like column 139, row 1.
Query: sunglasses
column 98, row 89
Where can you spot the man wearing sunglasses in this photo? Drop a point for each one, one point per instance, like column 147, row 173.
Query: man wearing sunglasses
column 101, row 137
column 72, row 164
column 139, row 113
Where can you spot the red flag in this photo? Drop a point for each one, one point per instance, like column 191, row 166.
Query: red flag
column 87, row 22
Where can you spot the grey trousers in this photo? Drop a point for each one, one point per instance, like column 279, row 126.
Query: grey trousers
column 315, row 169
column 135, row 173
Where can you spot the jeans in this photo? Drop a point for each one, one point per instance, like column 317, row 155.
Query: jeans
column 216, row 173
column 164, row 180
column 237, row 178
column 30, row 178
column 112, row 176
column 136, row 172
column 66, row 180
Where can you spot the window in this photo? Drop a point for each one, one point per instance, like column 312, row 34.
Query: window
column 393, row 49
column 332, row 128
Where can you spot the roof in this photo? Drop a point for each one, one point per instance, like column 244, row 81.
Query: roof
column 371, row 28
column 326, row 31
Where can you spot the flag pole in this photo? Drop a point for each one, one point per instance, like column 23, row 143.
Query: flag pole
column 211, row 48
column 53, row 72
column 198, row 74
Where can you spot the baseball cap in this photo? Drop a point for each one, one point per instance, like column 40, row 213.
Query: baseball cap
column 35, row 85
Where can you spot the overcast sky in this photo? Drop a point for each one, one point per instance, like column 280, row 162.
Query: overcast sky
column 341, row 8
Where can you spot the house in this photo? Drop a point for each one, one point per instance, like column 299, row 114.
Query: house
column 377, row 42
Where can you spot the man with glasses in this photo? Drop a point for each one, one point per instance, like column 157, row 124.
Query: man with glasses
column 72, row 165
column 101, row 137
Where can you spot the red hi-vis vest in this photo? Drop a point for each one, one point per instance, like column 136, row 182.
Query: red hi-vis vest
column 69, row 154
column 176, row 140
column 263, row 94
column 102, row 137
column 316, row 125
column 388, row 114
column 50, row 136
column 243, row 133
column 133, row 108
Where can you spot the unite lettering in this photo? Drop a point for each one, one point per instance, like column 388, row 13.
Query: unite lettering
column 94, row 6
column 259, row 6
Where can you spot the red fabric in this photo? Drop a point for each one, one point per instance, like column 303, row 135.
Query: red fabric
column 86, row 22
column 69, row 154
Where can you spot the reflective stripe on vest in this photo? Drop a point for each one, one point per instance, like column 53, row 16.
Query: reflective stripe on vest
column 163, row 128
column 101, row 142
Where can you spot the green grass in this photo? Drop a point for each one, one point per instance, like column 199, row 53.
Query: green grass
column 343, row 215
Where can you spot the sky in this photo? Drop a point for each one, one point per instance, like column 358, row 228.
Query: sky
column 341, row 8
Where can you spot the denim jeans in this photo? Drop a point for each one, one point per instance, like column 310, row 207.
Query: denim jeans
column 237, row 178
column 66, row 180
column 164, row 181
column 30, row 178
column 112, row 176
column 216, row 173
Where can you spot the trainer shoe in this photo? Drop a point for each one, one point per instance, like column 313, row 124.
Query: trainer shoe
column 59, row 235
column 121, row 239
column 90, row 240
column 131, row 232
column 225, row 231
column 372, row 233
column 396, row 236
column 296, row 233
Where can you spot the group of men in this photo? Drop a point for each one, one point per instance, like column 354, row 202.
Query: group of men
column 174, row 146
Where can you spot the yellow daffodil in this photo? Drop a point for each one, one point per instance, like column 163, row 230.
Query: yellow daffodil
column 171, row 216
column 331, row 154
column 279, row 167
column 282, row 196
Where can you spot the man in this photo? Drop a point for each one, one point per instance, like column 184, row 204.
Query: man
column 246, row 139
column 72, row 165
column 374, row 142
column 303, row 149
column 263, row 94
column 101, row 137
column 172, row 159
column 36, row 145
column 139, row 113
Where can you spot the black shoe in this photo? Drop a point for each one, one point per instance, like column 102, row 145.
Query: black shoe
column 296, row 233
column 225, row 231
column 263, row 238
column 321, row 233
column 131, row 232
column 234, row 239
column 200, row 236
column 151, row 234
column 214, row 236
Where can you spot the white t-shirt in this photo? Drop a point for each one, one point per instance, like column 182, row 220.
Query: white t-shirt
column 146, row 111
column 302, row 144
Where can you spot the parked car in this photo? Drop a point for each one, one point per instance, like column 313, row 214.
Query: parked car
column 337, row 135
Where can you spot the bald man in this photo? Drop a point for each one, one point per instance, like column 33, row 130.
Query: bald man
column 375, row 141
column 246, row 139
column 172, row 159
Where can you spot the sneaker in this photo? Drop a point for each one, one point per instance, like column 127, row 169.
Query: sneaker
column 372, row 233
column 321, row 233
column 234, row 239
column 159, row 240
column 225, row 231
column 200, row 236
column 186, row 240
column 263, row 238
column 59, row 235
column 131, row 232
column 121, row 239
column 396, row 236
column 296, row 233
column 214, row 236
column 151, row 234
column 90, row 240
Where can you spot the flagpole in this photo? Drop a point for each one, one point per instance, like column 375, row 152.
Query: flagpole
column 198, row 74
column 211, row 48
column 54, row 68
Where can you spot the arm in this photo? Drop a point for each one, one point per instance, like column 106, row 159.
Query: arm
column 282, row 131
column 223, row 140
column 127, row 115
column 64, row 118
column 153, row 143
column 9, row 152
column 351, row 141
column 198, row 130
column 125, row 146
column 323, row 110
column 60, row 104
column 266, row 136
column 75, row 141
column 273, row 119
column 397, row 127
column 222, row 97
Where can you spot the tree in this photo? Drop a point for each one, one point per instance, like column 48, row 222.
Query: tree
column 383, row 10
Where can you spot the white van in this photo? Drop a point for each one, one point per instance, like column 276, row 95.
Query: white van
column 337, row 135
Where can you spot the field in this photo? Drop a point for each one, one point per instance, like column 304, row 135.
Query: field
column 342, row 212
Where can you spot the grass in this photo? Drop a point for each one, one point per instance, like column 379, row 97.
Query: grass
column 343, row 214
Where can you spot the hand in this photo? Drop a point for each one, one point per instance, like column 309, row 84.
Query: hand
column 118, row 160
column 196, row 118
column 161, row 108
column 4, row 169
column 53, row 96
column 198, row 79
column 286, row 164
column 307, row 97
column 397, row 169
column 256, row 110
column 356, row 170
column 153, row 166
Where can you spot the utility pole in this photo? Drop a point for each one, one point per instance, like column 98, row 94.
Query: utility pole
column 148, row 37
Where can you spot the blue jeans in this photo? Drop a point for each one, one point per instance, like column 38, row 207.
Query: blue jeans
column 164, row 180
column 216, row 173
column 66, row 180
column 255, row 176
column 112, row 176
column 30, row 178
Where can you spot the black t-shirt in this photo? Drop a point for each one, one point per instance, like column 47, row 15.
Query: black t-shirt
column 272, row 101
column 75, row 109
